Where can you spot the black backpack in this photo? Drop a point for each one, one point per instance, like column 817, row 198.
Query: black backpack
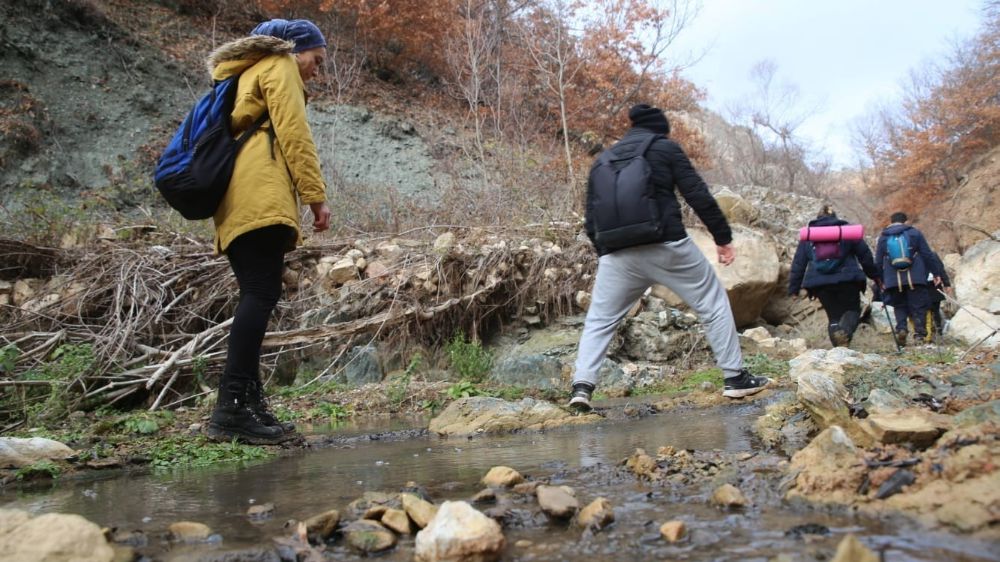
column 624, row 209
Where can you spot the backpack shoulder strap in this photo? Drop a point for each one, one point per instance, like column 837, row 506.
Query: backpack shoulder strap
column 644, row 147
column 256, row 125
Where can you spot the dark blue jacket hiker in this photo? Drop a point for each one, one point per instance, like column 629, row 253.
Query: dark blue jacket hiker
column 836, row 281
column 905, row 261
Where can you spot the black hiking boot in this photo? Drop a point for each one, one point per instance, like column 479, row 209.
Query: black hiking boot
column 579, row 400
column 258, row 403
column 744, row 384
column 838, row 335
column 900, row 337
column 233, row 418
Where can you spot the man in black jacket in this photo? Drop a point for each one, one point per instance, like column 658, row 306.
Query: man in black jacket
column 671, row 259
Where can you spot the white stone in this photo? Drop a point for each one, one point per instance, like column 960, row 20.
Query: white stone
column 972, row 325
column 459, row 532
column 757, row 334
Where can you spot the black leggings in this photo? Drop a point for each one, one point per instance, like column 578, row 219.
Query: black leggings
column 842, row 303
column 258, row 260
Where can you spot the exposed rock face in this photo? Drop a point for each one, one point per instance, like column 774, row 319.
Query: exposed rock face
column 976, row 282
column 911, row 425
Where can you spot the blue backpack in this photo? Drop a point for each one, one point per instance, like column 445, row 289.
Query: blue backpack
column 828, row 257
column 194, row 170
column 625, row 210
column 899, row 251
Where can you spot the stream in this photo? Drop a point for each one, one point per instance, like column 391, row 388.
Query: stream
column 384, row 455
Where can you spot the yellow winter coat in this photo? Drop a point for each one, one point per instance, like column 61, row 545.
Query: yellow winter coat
column 278, row 168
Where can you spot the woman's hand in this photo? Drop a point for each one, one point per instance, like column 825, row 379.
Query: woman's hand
column 321, row 216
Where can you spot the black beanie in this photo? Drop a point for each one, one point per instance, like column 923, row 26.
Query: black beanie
column 651, row 118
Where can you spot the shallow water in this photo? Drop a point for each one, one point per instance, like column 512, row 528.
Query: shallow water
column 312, row 481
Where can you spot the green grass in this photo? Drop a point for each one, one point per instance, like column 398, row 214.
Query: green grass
column 945, row 356
column 199, row 451
column 328, row 411
column 36, row 470
column 690, row 382
column 762, row 365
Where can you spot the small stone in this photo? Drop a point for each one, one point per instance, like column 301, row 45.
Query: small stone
column 598, row 514
column 523, row 543
column 728, row 495
column 673, row 531
column 485, row 496
column 368, row 536
column 420, row 511
column 850, row 549
column 558, row 502
column 260, row 512
column 502, row 477
column 189, row 532
column 324, row 524
column 398, row 521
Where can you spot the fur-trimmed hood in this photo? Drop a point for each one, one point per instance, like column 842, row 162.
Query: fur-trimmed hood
column 245, row 52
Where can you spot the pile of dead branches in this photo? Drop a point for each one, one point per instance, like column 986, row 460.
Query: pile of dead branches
column 154, row 311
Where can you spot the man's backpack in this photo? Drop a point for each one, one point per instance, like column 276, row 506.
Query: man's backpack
column 828, row 257
column 194, row 170
column 899, row 250
column 624, row 208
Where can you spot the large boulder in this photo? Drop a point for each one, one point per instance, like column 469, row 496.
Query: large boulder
column 53, row 537
column 832, row 362
column 749, row 281
column 977, row 281
column 974, row 325
column 16, row 452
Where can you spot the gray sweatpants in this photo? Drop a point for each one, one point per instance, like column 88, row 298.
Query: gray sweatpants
column 624, row 275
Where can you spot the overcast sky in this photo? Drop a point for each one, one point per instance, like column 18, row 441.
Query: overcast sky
column 842, row 55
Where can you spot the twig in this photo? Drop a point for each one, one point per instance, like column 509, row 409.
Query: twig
column 187, row 349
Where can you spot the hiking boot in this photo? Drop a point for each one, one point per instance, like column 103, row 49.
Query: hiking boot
column 900, row 336
column 744, row 384
column 579, row 400
column 233, row 418
column 258, row 403
column 839, row 338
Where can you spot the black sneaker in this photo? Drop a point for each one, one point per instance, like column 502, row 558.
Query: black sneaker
column 839, row 338
column 579, row 400
column 744, row 384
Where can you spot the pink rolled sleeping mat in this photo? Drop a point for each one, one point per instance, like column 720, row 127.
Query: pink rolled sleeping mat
column 832, row 233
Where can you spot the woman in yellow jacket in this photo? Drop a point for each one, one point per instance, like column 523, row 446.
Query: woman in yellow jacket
column 258, row 220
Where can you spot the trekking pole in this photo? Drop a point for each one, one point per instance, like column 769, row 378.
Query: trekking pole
column 892, row 331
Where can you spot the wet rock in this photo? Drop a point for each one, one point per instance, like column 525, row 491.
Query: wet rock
column 895, row 483
column 246, row 555
column 526, row 488
column 368, row 536
column 323, row 525
column 136, row 539
column 16, row 452
column 850, row 549
column 481, row 414
column 459, row 532
column 673, row 531
column 189, row 532
column 728, row 495
column 420, row 511
column 502, row 477
column 54, row 537
column 261, row 512
column 558, row 502
column 375, row 512
column 825, row 399
column 799, row 531
column 485, row 496
column 359, row 507
column 830, row 468
column 103, row 464
column 912, row 425
column 398, row 521
column 642, row 465
column 598, row 514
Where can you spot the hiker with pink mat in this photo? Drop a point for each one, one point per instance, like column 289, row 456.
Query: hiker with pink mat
column 831, row 263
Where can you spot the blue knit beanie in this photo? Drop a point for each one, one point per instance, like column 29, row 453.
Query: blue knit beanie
column 303, row 33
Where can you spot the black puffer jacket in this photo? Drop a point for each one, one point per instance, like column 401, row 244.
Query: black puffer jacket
column 671, row 169
column 858, row 263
